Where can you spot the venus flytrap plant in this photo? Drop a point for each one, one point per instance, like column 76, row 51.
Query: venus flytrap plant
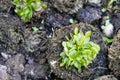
column 25, row 8
column 78, row 51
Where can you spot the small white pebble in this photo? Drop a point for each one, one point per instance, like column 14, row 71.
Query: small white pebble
column 94, row 1
column 32, row 72
column 108, row 30
column 4, row 55
column 52, row 63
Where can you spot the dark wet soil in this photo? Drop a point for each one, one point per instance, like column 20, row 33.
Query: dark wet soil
column 24, row 53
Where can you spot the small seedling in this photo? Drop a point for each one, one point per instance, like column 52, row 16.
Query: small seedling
column 103, row 9
column 111, row 2
column 78, row 51
column 107, row 40
column 109, row 5
column 35, row 29
column 72, row 21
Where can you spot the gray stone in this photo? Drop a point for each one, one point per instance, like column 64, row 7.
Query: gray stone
column 94, row 1
column 36, row 71
column 4, row 55
column 16, row 66
column 106, row 77
column 3, row 73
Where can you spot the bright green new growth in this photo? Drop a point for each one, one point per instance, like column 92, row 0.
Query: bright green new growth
column 78, row 51
column 25, row 8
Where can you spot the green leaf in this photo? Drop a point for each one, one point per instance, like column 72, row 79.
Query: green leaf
column 94, row 50
column 103, row 27
column 38, row 6
column 42, row 22
column 27, row 12
column 107, row 23
column 77, row 65
column 111, row 2
column 88, row 34
column 69, row 63
column 87, row 52
column 71, row 21
column 87, row 45
column 84, row 62
column 107, row 40
column 76, row 30
column 67, row 38
column 75, row 38
column 66, row 50
column 96, row 46
column 43, row 5
column 71, row 35
column 64, row 44
column 72, row 54
column 69, row 45
column 62, row 64
column 106, row 17
column 62, row 54
column 81, row 43
column 35, row 29
column 79, row 58
column 103, row 9
column 33, row 6
column 65, row 61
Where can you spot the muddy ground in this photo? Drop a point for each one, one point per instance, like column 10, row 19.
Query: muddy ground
column 27, row 55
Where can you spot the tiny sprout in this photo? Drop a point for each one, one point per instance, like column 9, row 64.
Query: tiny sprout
column 107, row 40
column 35, row 29
column 72, row 21
column 103, row 9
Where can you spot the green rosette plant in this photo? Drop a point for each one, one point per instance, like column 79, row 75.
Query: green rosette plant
column 78, row 51
column 25, row 8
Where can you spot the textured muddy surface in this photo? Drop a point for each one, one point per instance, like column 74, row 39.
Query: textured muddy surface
column 22, row 50
column 106, row 77
column 29, row 55
column 68, row 6
column 114, row 55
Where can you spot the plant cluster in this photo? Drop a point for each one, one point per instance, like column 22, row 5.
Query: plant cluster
column 78, row 51
column 25, row 8
column 111, row 5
